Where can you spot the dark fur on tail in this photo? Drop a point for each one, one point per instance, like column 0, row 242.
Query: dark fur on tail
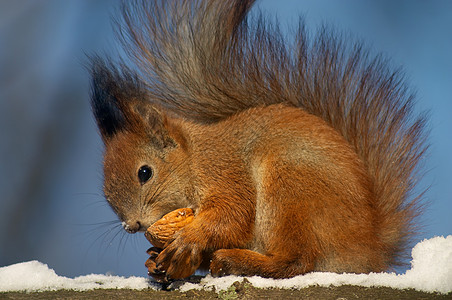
column 205, row 61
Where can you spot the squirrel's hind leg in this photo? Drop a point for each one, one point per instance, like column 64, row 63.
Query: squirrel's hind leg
column 248, row 263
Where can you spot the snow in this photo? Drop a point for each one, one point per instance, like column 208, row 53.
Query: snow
column 431, row 271
column 35, row 276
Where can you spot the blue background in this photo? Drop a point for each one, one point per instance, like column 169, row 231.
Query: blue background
column 51, row 204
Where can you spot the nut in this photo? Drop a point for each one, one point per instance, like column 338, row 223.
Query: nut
column 162, row 231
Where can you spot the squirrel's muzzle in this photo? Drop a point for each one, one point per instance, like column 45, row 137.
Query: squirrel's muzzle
column 133, row 226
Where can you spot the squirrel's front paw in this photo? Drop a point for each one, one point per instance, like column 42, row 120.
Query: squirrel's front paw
column 179, row 259
column 157, row 273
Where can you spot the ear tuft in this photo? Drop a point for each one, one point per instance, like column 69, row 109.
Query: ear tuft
column 119, row 102
column 111, row 92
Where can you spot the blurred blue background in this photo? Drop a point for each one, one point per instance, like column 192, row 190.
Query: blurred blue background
column 51, row 204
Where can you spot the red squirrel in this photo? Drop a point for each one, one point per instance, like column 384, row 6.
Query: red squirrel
column 295, row 156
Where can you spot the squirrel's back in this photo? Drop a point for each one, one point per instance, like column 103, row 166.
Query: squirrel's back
column 205, row 62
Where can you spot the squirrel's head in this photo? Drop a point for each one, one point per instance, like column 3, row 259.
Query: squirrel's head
column 146, row 163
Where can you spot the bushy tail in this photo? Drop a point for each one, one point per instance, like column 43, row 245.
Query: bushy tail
column 205, row 61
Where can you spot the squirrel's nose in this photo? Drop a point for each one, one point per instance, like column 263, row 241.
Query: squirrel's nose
column 133, row 226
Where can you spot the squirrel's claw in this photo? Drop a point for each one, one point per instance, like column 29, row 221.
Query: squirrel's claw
column 155, row 270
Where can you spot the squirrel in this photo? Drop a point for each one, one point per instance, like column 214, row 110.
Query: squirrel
column 295, row 155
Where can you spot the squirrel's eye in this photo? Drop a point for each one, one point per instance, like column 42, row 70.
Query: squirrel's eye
column 144, row 174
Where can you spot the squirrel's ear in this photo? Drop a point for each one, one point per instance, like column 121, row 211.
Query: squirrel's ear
column 156, row 125
column 111, row 94
column 119, row 102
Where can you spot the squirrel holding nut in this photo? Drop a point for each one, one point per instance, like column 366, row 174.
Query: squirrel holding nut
column 293, row 155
